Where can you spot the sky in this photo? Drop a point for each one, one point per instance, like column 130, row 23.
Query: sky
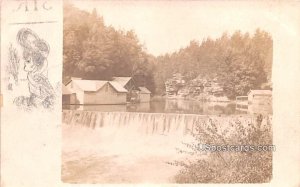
column 166, row 26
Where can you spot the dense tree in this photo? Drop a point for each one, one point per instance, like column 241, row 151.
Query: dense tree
column 239, row 62
column 95, row 51
column 92, row 50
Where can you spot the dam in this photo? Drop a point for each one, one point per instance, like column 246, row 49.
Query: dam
column 149, row 123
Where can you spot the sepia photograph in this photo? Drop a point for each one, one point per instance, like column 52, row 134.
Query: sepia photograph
column 154, row 92
column 149, row 93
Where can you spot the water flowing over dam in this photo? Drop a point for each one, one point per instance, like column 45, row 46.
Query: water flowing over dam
column 150, row 123
column 144, row 122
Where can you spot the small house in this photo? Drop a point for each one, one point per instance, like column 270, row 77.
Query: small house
column 260, row 101
column 144, row 94
column 97, row 92
column 129, row 85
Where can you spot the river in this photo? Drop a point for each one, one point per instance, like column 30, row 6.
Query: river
column 161, row 105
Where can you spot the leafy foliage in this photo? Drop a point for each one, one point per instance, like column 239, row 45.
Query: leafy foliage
column 228, row 167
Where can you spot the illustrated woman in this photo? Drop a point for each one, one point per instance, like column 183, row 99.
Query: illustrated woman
column 35, row 53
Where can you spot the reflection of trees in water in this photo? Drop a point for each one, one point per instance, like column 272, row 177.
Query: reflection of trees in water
column 229, row 109
column 187, row 106
column 182, row 106
column 101, row 108
column 162, row 106
column 138, row 107
column 158, row 106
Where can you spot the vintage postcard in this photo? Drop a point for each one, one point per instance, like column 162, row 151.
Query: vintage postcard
column 31, row 66
column 150, row 93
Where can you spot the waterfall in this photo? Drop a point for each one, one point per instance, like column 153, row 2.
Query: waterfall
column 149, row 123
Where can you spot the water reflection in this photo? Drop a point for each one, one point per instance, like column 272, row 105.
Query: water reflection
column 164, row 106
column 197, row 107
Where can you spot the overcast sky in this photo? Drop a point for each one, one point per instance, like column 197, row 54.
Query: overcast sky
column 166, row 26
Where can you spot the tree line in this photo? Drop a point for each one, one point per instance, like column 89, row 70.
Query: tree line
column 239, row 62
column 93, row 50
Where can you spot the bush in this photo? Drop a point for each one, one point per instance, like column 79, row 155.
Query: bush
column 228, row 167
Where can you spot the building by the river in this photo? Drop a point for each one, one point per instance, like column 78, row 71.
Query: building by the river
column 144, row 95
column 256, row 102
column 118, row 91
column 97, row 92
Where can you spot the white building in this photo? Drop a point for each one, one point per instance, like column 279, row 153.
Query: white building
column 97, row 92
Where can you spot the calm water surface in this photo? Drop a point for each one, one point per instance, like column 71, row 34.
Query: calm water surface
column 164, row 106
